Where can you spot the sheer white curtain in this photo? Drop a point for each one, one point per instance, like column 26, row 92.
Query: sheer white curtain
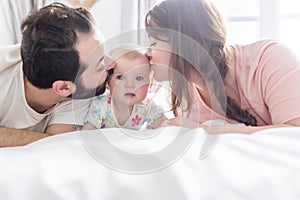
column 142, row 8
column 122, row 15
column 129, row 26
column 12, row 13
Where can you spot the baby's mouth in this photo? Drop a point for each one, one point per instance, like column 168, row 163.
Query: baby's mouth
column 130, row 94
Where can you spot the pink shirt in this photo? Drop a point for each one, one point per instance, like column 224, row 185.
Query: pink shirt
column 268, row 80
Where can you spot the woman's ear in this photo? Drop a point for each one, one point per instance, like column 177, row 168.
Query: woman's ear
column 63, row 88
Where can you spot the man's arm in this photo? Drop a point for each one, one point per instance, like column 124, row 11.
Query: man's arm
column 67, row 116
column 15, row 137
column 54, row 129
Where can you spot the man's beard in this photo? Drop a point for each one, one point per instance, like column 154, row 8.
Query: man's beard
column 83, row 93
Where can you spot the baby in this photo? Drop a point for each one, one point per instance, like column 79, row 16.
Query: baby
column 126, row 106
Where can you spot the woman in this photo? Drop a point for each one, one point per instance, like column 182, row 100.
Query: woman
column 256, row 84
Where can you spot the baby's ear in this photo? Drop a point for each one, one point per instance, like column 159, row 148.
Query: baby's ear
column 63, row 88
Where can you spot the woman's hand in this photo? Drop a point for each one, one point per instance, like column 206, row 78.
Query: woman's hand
column 224, row 128
column 181, row 121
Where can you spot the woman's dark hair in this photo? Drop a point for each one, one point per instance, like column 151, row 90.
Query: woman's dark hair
column 200, row 21
column 48, row 43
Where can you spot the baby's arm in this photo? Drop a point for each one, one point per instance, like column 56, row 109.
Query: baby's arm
column 156, row 116
column 88, row 126
column 157, row 122
column 96, row 114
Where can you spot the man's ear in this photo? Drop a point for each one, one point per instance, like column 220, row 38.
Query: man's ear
column 63, row 88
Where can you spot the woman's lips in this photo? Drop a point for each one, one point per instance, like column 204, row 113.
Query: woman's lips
column 151, row 66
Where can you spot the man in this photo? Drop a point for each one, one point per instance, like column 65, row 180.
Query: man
column 62, row 58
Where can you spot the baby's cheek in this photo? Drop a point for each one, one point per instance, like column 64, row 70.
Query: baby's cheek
column 143, row 90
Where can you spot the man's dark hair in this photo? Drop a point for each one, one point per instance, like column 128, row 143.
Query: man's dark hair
column 48, row 43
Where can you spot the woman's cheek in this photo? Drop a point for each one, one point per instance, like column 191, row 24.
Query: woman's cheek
column 161, row 72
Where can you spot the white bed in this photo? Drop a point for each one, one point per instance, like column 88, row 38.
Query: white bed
column 113, row 164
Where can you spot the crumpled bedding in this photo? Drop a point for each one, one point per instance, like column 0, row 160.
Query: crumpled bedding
column 164, row 163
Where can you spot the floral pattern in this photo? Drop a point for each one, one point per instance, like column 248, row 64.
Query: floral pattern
column 136, row 120
column 101, row 114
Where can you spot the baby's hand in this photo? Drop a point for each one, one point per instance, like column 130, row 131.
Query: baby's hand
column 88, row 126
column 157, row 122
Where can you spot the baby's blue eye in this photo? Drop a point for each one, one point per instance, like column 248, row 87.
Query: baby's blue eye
column 139, row 78
column 120, row 77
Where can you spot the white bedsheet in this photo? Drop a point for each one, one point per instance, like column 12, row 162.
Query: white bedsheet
column 90, row 165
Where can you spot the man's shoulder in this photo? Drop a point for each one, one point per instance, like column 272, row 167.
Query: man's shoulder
column 104, row 98
column 72, row 104
column 10, row 56
column 10, row 48
column 11, row 75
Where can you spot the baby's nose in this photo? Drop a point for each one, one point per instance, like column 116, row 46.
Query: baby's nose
column 129, row 83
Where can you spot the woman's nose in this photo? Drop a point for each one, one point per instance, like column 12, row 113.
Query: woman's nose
column 149, row 53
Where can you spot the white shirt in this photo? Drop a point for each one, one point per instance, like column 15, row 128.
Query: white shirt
column 16, row 113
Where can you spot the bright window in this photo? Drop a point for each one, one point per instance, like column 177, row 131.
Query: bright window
column 251, row 20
